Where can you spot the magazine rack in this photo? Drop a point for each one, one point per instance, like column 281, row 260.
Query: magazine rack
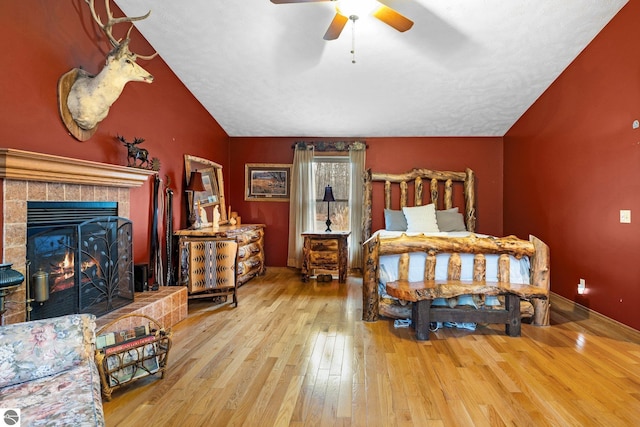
column 124, row 362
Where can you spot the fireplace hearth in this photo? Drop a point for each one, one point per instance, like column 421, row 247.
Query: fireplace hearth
column 83, row 253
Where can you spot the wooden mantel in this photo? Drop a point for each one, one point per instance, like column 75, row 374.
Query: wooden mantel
column 28, row 166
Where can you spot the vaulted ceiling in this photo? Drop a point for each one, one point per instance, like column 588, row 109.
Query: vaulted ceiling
column 465, row 68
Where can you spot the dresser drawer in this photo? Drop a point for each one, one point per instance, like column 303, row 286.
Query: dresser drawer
column 250, row 237
column 318, row 245
column 249, row 250
column 323, row 259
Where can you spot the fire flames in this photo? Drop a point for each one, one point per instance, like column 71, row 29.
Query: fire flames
column 62, row 274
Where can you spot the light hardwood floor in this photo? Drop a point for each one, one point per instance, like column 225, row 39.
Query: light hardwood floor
column 296, row 354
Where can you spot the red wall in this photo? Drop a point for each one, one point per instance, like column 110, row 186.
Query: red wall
column 45, row 39
column 483, row 155
column 572, row 162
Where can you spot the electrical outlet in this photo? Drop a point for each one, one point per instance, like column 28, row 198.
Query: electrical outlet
column 625, row 216
column 582, row 286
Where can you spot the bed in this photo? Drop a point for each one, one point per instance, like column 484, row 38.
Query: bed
column 449, row 251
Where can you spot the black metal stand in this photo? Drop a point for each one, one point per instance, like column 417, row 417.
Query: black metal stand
column 328, row 222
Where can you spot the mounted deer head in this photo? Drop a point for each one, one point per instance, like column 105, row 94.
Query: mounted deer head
column 84, row 99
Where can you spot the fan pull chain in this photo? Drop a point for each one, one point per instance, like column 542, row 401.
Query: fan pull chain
column 353, row 38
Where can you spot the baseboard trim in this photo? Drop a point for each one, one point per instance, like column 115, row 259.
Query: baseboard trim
column 570, row 305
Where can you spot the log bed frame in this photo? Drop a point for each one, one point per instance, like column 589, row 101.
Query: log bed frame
column 537, row 293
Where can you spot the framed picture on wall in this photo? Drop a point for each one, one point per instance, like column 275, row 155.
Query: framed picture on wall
column 267, row 182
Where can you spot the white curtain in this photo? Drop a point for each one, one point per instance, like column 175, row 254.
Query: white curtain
column 301, row 204
column 357, row 155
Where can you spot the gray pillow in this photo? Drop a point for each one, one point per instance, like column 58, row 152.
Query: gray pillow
column 450, row 220
column 394, row 220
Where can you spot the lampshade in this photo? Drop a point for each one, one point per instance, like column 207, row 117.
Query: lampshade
column 328, row 194
column 195, row 182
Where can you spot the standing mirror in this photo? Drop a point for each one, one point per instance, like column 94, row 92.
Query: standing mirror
column 213, row 194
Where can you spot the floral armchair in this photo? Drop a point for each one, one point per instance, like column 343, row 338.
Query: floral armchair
column 48, row 371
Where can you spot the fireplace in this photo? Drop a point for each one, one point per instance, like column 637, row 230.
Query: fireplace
column 80, row 254
column 27, row 176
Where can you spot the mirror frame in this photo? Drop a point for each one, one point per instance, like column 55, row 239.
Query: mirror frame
column 211, row 172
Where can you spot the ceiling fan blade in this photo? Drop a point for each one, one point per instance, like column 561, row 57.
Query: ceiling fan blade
column 334, row 30
column 296, row 1
column 393, row 18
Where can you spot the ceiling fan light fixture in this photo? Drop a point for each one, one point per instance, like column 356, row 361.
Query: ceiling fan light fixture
column 356, row 8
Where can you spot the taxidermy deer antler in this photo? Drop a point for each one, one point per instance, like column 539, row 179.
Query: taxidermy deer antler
column 85, row 99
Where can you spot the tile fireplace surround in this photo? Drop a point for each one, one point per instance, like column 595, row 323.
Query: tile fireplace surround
column 27, row 176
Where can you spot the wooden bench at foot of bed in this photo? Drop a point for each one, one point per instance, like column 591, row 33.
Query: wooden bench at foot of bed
column 422, row 293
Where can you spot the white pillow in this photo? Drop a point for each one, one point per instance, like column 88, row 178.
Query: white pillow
column 421, row 219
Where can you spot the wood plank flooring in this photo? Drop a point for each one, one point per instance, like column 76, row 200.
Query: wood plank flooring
column 298, row 354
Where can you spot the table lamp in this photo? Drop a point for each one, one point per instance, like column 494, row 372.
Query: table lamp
column 195, row 185
column 328, row 197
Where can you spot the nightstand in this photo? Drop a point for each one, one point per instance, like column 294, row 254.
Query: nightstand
column 326, row 251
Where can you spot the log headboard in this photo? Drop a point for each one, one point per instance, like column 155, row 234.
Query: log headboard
column 438, row 181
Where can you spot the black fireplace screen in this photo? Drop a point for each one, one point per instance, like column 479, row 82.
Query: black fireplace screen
column 89, row 265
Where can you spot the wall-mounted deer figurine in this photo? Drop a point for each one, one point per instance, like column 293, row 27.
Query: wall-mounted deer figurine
column 84, row 99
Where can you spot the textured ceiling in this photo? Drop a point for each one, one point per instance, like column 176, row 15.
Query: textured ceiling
column 466, row 68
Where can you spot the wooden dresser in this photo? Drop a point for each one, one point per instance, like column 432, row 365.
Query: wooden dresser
column 250, row 238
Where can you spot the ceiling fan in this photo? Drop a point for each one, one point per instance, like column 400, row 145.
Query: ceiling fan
column 354, row 9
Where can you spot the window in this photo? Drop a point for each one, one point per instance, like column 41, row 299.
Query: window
column 333, row 171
